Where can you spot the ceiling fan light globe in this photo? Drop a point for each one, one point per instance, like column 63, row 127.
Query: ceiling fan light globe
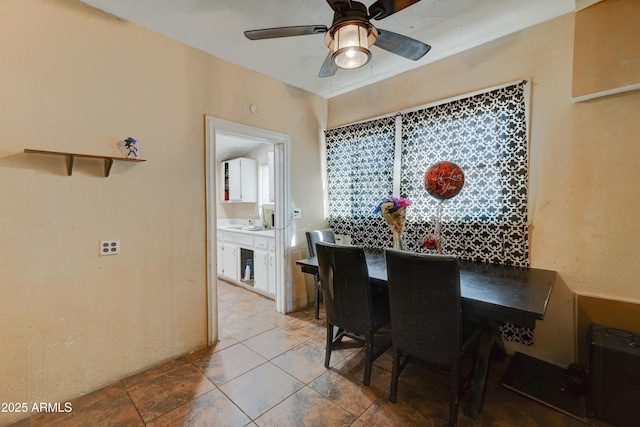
column 351, row 57
column 350, row 44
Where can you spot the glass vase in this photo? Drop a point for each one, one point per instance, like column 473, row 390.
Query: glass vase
column 398, row 243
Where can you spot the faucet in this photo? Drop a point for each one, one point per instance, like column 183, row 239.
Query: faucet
column 261, row 214
column 259, row 217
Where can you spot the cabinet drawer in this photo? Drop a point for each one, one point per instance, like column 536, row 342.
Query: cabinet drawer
column 239, row 239
column 262, row 244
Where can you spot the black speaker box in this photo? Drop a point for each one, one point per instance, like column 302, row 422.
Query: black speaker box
column 614, row 361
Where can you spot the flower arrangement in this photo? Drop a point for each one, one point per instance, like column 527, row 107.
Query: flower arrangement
column 392, row 204
column 393, row 211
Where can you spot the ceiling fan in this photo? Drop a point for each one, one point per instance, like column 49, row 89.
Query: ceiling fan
column 351, row 34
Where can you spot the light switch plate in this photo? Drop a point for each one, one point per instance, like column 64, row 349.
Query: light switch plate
column 296, row 213
column 109, row 247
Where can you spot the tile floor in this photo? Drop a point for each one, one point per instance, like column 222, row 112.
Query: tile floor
column 268, row 370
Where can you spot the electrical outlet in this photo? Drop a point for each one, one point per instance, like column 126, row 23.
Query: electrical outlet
column 109, row 247
column 296, row 213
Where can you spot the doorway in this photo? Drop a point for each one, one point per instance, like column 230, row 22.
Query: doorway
column 217, row 130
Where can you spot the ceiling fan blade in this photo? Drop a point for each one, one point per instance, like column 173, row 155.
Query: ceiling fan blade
column 328, row 68
column 383, row 8
column 273, row 33
column 401, row 45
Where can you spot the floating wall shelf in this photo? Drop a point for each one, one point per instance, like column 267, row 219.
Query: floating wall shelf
column 108, row 160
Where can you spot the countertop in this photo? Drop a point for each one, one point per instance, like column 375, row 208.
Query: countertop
column 260, row 233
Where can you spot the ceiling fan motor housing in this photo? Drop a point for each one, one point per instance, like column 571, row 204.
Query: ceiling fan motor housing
column 356, row 12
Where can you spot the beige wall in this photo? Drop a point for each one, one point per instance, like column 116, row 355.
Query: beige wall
column 604, row 61
column 75, row 79
column 584, row 174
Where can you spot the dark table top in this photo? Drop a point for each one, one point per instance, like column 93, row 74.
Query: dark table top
column 502, row 293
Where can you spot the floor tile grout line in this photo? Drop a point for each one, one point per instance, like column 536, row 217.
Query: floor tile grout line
column 134, row 404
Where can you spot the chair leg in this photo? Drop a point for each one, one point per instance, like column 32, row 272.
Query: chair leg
column 318, row 296
column 395, row 373
column 368, row 358
column 454, row 398
column 327, row 354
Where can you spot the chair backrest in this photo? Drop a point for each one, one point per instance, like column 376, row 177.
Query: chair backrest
column 314, row 236
column 345, row 286
column 425, row 305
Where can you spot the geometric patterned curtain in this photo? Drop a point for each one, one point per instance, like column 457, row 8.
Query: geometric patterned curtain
column 486, row 136
column 359, row 175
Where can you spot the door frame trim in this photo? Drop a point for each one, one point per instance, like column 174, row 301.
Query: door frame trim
column 282, row 161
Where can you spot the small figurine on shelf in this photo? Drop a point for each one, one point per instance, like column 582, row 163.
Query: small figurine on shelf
column 130, row 146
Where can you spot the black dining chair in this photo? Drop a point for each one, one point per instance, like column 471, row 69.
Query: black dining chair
column 326, row 235
column 349, row 302
column 427, row 319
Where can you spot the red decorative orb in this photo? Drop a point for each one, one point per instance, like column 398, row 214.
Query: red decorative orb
column 443, row 180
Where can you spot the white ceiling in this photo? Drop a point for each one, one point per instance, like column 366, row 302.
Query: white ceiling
column 231, row 146
column 217, row 26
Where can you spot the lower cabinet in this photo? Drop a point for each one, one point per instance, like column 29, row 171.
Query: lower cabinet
column 261, row 270
column 264, row 262
column 272, row 271
column 219, row 256
column 230, row 262
column 235, row 249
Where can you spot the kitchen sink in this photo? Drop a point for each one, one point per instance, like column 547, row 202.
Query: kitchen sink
column 246, row 227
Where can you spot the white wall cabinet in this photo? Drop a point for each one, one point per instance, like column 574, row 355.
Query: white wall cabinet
column 239, row 180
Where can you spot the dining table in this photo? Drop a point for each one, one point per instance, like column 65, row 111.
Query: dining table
column 491, row 293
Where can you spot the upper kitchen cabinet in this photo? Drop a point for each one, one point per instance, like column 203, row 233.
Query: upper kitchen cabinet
column 240, row 180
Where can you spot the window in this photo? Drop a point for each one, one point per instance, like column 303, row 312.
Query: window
column 485, row 134
column 360, row 173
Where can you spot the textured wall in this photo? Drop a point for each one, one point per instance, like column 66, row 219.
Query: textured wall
column 75, row 79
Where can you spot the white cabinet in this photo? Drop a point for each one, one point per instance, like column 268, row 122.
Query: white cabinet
column 272, row 273
column 219, row 257
column 261, row 270
column 230, row 262
column 228, row 257
column 264, row 262
column 236, row 249
column 239, row 180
